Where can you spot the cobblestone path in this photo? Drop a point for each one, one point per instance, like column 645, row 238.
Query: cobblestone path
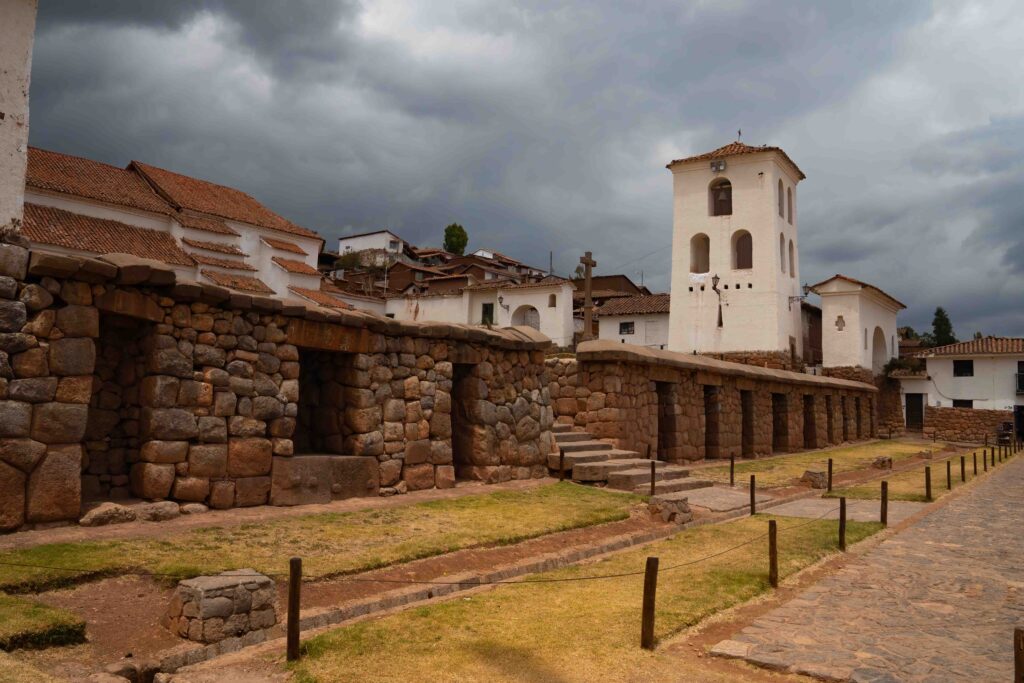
column 937, row 602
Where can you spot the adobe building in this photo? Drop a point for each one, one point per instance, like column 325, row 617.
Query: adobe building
column 735, row 266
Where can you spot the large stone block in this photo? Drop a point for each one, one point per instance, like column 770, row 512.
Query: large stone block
column 192, row 489
column 418, row 477
column 75, row 389
column 15, row 419
column 13, row 261
column 59, row 422
column 131, row 304
column 24, row 454
column 417, row 452
column 444, row 477
column 72, row 357
column 208, row 460
column 355, row 476
column 250, row 491
column 172, row 424
column 78, row 321
column 152, row 480
column 33, row 390
column 12, row 316
column 159, row 391
column 301, row 480
column 362, row 420
column 169, row 362
column 390, row 472
column 55, row 486
column 164, row 451
column 12, row 497
column 222, row 495
column 249, row 457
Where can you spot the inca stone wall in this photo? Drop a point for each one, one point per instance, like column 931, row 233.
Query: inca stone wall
column 773, row 360
column 117, row 379
column 965, row 424
column 654, row 401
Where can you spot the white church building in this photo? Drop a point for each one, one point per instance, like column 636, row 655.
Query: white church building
column 735, row 267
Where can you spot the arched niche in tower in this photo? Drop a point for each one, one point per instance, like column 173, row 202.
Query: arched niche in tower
column 700, row 253
column 742, row 250
column 720, row 197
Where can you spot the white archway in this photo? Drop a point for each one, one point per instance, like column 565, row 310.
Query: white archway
column 879, row 351
column 528, row 316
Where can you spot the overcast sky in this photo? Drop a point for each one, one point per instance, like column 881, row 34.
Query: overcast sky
column 547, row 126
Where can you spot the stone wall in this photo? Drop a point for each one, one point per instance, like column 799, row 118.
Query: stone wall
column 774, row 360
column 115, row 375
column 965, row 424
column 654, row 401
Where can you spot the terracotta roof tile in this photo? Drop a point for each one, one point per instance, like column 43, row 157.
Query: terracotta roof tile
column 549, row 281
column 295, row 266
column 985, row 346
column 320, row 297
column 86, row 178
column 214, row 246
column 636, row 305
column 217, row 200
column 736, row 149
column 242, row 282
column 284, row 246
column 205, row 223
column 47, row 225
column 221, row 262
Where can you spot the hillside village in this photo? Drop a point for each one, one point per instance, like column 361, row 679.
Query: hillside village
column 237, row 447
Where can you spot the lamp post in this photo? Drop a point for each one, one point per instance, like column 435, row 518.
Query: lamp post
column 806, row 289
column 714, row 287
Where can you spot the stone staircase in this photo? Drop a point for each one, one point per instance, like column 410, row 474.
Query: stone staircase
column 593, row 461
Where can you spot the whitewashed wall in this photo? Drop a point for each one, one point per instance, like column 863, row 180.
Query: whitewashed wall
column 648, row 330
column 992, row 387
column 17, row 34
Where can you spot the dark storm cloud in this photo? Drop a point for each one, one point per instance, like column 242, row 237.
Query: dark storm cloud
column 546, row 126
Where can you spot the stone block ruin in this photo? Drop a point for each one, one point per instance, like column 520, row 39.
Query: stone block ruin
column 119, row 379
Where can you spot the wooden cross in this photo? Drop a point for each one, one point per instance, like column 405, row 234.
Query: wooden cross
column 588, row 303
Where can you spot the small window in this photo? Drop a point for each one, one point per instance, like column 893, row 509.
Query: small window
column 963, row 403
column 720, row 197
column 789, row 205
column 963, row 368
column 552, row 301
column 626, row 328
column 742, row 250
column 487, row 314
column 389, row 315
column 782, row 201
column 700, row 253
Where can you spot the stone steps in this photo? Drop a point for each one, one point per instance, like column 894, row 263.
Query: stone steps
column 572, row 459
column 672, row 486
column 593, row 445
column 627, row 480
column 572, row 437
column 559, row 428
column 599, row 471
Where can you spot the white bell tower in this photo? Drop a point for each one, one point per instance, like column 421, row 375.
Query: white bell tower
column 735, row 254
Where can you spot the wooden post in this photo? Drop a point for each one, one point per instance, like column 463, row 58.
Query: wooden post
column 773, row 555
column 884, row 517
column 963, row 469
column 732, row 470
column 647, row 617
column 561, row 464
column 928, row 482
column 830, row 474
column 842, row 523
column 294, row 596
column 653, row 465
column 753, row 502
column 1018, row 655
column 975, row 454
column 984, row 459
column 949, row 475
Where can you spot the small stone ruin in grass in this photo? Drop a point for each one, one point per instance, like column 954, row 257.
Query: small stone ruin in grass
column 671, row 509
column 817, row 480
column 208, row 609
column 882, row 462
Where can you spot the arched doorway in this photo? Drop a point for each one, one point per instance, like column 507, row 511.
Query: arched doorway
column 527, row 315
column 879, row 353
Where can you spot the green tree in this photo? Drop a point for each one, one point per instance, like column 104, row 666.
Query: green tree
column 942, row 328
column 350, row 260
column 455, row 239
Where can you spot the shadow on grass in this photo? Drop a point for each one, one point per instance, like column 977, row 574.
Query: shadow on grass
column 514, row 663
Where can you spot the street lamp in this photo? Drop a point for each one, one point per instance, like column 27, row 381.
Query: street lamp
column 714, row 287
column 806, row 289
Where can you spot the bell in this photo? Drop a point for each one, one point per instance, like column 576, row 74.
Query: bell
column 722, row 196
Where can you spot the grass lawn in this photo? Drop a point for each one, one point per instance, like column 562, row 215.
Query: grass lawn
column 784, row 469
column 329, row 543
column 13, row 671
column 909, row 485
column 574, row 631
column 30, row 624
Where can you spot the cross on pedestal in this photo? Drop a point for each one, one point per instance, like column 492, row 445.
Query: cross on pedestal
column 588, row 303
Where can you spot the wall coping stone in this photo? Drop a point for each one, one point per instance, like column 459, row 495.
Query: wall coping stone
column 609, row 351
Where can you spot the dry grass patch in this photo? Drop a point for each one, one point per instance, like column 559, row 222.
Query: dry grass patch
column 783, row 470
column 30, row 624
column 910, row 485
column 13, row 671
column 572, row 631
column 329, row 543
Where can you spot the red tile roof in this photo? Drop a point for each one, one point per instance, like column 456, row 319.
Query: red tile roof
column 549, row 281
column 814, row 288
column 736, row 149
column 320, row 297
column 205, row 223
column 47, row 225
column 986, row 346
column 636, row 305
column 242, row 282
column 214, row 246
column 284, row 246
column 218, row 200
column 86, row 178
column 232, row 264
column 295, row 266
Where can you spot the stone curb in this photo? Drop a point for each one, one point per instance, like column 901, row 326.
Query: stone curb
column 181, row 657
